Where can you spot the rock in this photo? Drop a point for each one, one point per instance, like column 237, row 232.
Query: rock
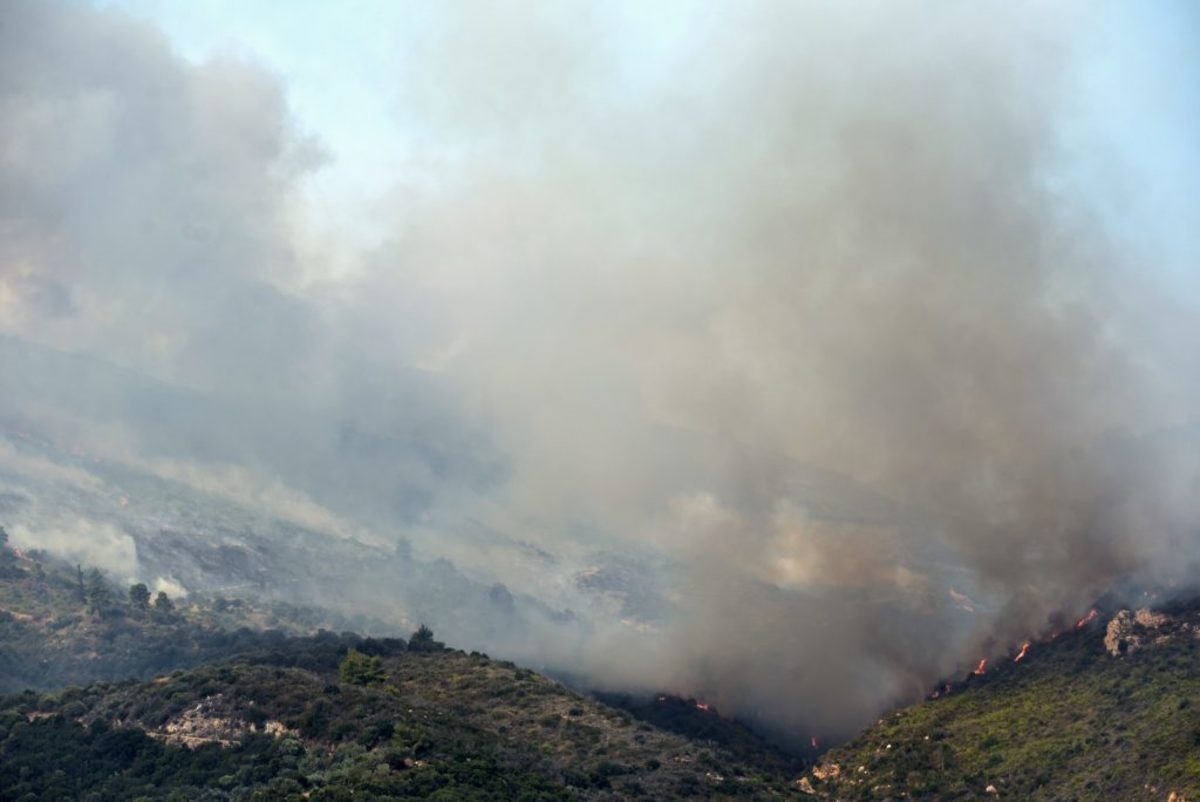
column 991, row 789
column 805, row 786
column 276, row 728
column 1122, row 636
column 1118, row 635
column 1145, row 618
column 827, row 771
column 204, row 724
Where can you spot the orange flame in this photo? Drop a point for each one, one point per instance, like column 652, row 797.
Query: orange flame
column 702, row 706
column 980, row 669
column 1024, row 651
column 1087, row 619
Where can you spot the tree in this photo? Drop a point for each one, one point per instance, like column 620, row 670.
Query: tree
column 8, row 557
column 163, row 605
column 80, row 588
column 362, row 669
column 139, row 596
column 98, row 596
column 422, row 641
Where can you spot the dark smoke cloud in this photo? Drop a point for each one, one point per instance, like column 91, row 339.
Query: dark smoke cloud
column 802, row 361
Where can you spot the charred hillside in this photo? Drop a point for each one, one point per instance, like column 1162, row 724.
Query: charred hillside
column 64, row 625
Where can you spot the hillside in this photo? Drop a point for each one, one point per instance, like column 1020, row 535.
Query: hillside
column 439, row 725
column 65, row 625
column 238, row 712
column 234, row 699
column 1108, row 711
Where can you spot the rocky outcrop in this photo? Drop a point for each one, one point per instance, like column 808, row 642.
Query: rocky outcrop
column 1145, row 618
column 1119, row 637
column 1128, row 631
column 203, row 724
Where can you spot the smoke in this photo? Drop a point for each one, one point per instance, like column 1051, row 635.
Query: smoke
column 804, row 310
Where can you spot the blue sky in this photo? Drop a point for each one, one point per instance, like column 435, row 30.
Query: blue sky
column 1143, row 86
column 343, row 65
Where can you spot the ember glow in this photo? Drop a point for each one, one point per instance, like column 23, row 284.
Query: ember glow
column 702, row 706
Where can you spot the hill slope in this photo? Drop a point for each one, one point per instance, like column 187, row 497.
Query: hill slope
column 52, row 634
column 441, row 725
column 1110, row 711
column 253, row 714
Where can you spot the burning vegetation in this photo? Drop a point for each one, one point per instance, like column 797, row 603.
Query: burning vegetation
column 1101, row 713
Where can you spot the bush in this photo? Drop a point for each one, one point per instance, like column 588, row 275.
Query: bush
column 362, row 669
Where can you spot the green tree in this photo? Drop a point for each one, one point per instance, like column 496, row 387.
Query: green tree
column 422, row 641
column 139, row 596
column 98, row 596
column 80, row 587
column 8, row 557
column 163, row 606
column 362, row 669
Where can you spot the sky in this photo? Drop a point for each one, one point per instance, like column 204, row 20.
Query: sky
column 851, row 342
column 344, row 70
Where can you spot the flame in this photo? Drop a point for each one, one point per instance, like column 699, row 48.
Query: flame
column 1024, row 651
column 814, row 743
column 980, row 669
column 702, row 706
column 662, row 699
column 1087, row 619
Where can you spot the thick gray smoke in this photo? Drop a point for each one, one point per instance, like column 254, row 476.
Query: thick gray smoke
column 804, row 360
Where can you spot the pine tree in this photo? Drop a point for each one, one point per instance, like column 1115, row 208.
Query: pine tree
column 422, row 641
column 139, row 596
column 97, row 594
column 163, row 605
column 8, row 557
